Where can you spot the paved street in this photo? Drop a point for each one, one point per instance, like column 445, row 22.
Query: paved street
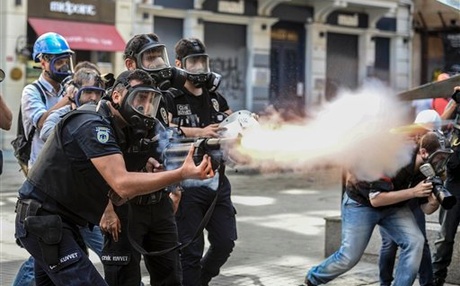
column 281, row 228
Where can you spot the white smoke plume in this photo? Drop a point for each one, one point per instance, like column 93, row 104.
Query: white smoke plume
column 353, row 131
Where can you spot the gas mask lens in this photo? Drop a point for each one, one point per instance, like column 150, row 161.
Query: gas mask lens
column 153, row 58
column 144, row 101
column 88, row 94
column 61, row 66
column 438, row 160
column 196, row 64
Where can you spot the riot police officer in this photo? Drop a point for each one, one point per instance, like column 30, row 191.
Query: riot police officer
column 80, row 167
column 151, row 223
column 197, row 112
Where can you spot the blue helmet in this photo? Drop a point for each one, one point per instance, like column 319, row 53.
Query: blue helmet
column 50, row 43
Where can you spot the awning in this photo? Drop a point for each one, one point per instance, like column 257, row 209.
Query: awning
column 82, row 36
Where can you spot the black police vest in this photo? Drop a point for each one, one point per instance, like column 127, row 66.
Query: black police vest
column 70, row 192
column 180, row 98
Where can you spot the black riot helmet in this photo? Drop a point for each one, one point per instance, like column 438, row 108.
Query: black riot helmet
column 140, row 103
column 191, row 53
column 151, row 56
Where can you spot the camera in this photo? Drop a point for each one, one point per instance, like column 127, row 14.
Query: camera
column 444, row 197
column 456, row 96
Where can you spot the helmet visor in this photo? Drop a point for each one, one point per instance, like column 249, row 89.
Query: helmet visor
column 196, row 64
column 144, row 100
column 153, row 58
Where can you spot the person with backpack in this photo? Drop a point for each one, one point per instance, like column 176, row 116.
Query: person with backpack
column 44, row 95
column 197, row 112
column 38, row 100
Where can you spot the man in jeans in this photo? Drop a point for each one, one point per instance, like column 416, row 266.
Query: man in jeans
column 383, row 203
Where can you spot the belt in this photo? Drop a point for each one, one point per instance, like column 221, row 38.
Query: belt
column 27, row 207
column 32, row 207
column 150, row 199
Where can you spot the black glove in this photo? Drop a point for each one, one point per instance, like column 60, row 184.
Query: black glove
column 456, row 96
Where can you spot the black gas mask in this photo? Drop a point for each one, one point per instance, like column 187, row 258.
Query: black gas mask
column 87, row 94
column 197, row 69
column 153, row 58
column 139, row 108
column 61, row 66
column 433, row 169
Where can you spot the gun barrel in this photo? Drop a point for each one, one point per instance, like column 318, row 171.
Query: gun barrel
column 221, row 141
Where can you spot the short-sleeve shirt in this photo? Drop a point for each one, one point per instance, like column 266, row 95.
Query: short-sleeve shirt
column 405, row 178
column 89, row 136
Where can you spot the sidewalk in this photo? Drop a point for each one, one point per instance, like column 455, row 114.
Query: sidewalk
column 281, row 228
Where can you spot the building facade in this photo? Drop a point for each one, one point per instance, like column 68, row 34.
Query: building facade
column 293, row 55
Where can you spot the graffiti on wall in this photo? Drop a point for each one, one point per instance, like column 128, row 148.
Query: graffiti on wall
column 232, row 84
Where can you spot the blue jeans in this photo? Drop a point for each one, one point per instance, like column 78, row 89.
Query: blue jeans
column 389, row 248
column 444, row 245
column 25, row 275
column 93, row 239
column 358, row 223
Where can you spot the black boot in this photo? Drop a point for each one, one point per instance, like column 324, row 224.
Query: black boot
column 308, row 282
column 438, row 282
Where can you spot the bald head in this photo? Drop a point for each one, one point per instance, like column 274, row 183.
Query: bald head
column 443, row 76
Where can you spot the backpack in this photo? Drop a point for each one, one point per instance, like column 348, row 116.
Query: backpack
column 22, row 145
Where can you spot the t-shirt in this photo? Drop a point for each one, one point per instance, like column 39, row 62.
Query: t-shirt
column 439, row 104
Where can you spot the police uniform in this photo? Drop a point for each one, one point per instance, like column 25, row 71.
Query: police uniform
column 199, row 111
column 64, row 191
column 149, row 219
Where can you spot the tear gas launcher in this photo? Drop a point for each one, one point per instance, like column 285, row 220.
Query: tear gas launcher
column 221, row 150
column 217, row 148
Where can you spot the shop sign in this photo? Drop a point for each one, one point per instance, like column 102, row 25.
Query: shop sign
column 348, row 19
column 96, row 11
column 70, row 8
column 234, row 7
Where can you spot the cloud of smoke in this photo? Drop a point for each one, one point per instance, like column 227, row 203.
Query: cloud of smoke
column 354, row 131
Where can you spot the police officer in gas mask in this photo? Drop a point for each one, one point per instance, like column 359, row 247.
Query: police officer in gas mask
column 80, row 167
column 145, row 52
column 197, row 112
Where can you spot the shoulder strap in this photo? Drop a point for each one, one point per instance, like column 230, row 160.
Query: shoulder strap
column 174, row 92
column 40, row 89
column 20, row 127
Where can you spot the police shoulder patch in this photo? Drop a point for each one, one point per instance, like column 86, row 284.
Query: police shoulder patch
column 215, row 104
column 164, row 114
column 102, row 134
